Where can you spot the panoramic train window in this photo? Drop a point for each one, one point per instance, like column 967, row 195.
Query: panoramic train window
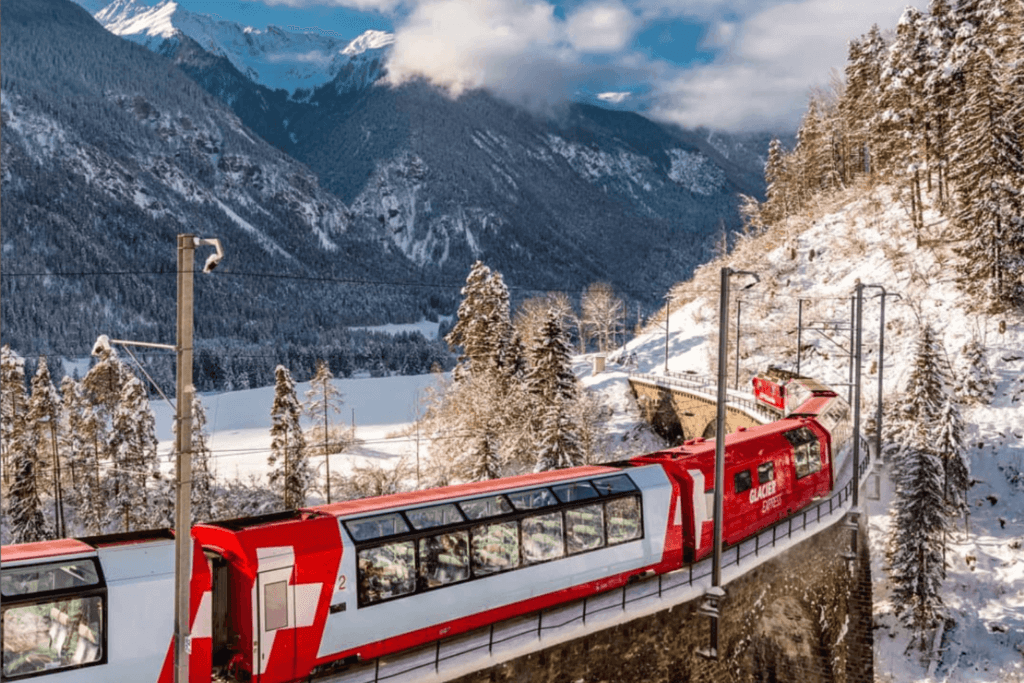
column 495, row 548
column 584, row 528
column 49, row 636
column 444, row 559
column 386, row 571
column 765, row 472
column 48, row 577
column 577, row 490
column 482, row 508
column 742, row 481
column 623, row 519
column 439, row 515
column 620, row 483
column 806, row 451
column 542, row 538
column 532, row 500
column 376, row 527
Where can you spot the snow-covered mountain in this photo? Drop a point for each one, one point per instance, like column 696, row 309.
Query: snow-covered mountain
column 290, row 58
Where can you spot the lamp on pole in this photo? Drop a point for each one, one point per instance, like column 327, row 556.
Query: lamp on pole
column 716, row 593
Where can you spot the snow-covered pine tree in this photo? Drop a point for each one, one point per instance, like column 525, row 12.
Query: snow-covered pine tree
column 920, row 522
column 133, row 444
column 323, row 399
column 13, row 408
column 43, row 417
column 977, row 385
column 858, row 105
column 776, row 205
column 290, row 471
column 898, row 125
column 70, row 445
column 551, row 380
column 202, row 471
column 928, row 382
column 484, row 327
column 988, row 169
column 24, row 507
column 92, row 500
column 948, row 443
column 939, row 95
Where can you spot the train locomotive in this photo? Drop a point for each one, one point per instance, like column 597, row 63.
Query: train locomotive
column 299, row 595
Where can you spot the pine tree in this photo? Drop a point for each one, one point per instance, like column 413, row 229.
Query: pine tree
column 859, row 103
column 939, row 95
column 977, row 384
column 133, row 445
column 776, row 206
column 290, row 472
column 948, row 443
column 13, row 408
column 43, row 417
column 928, row 381
column 484, row 327
column 322, row 399
column 70, row 446
column 551, row 380
column 916, row 546
column 988, row 168
column 24, row 508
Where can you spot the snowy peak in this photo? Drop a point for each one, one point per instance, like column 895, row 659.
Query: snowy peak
column 370, row 40
column 272, row 57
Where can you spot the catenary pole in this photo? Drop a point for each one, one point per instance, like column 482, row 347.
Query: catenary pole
column 182, row 509
column 856, row 395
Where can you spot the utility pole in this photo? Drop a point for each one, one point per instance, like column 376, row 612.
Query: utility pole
column 799, row 332
column 853, row 315
column 858, row 299
column 183, row 508
column 715, row 594
column 736, row 379
column 668, row 312
column 881, row 367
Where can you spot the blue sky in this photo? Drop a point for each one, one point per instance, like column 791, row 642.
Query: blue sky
column 725, row 64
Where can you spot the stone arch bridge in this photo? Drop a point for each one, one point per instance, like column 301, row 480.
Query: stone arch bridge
column 684, row 406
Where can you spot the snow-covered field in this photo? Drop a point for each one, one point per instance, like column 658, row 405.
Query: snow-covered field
column 868, row 240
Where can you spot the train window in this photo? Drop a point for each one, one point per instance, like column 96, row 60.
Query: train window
column 275, row 605
column 386, row 571
column 482, row 508
column 439, row 515
column 577, row 490
column 532, row 500
column 376, row 527
column 765, row 472
column 542, row 538
column 806, row 451
column 48, row 577
column 620, row 483
column 623, row 519
column 742, row 481
column 444, row 559
column 495, row 548
column 55, row 635
column 584, row 528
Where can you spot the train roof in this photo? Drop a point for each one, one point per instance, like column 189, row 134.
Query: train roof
column 413, row 498
column 42, row 550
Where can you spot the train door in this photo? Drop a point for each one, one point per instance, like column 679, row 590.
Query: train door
column 275, row 627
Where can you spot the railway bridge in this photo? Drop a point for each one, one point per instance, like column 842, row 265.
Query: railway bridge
column 797, row 607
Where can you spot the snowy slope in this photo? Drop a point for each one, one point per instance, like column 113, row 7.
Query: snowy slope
column 277, row 58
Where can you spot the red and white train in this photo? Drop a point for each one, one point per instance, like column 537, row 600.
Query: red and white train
column 301, row 594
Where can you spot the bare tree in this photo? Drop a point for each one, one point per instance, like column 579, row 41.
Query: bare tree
column 602, row 314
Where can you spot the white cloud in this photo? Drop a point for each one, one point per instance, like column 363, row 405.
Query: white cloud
column 614, row 97
column 769, row 64
column 600, row 27
column 517, row 49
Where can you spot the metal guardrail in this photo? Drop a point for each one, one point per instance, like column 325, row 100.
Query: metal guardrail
column 644, row 596
column 708, row 388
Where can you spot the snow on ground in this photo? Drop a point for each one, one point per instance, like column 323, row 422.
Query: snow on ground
column 382, row 409
column 425, row 327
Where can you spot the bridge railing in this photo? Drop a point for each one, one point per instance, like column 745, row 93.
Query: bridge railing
column 707, row 387
column 490, row 645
